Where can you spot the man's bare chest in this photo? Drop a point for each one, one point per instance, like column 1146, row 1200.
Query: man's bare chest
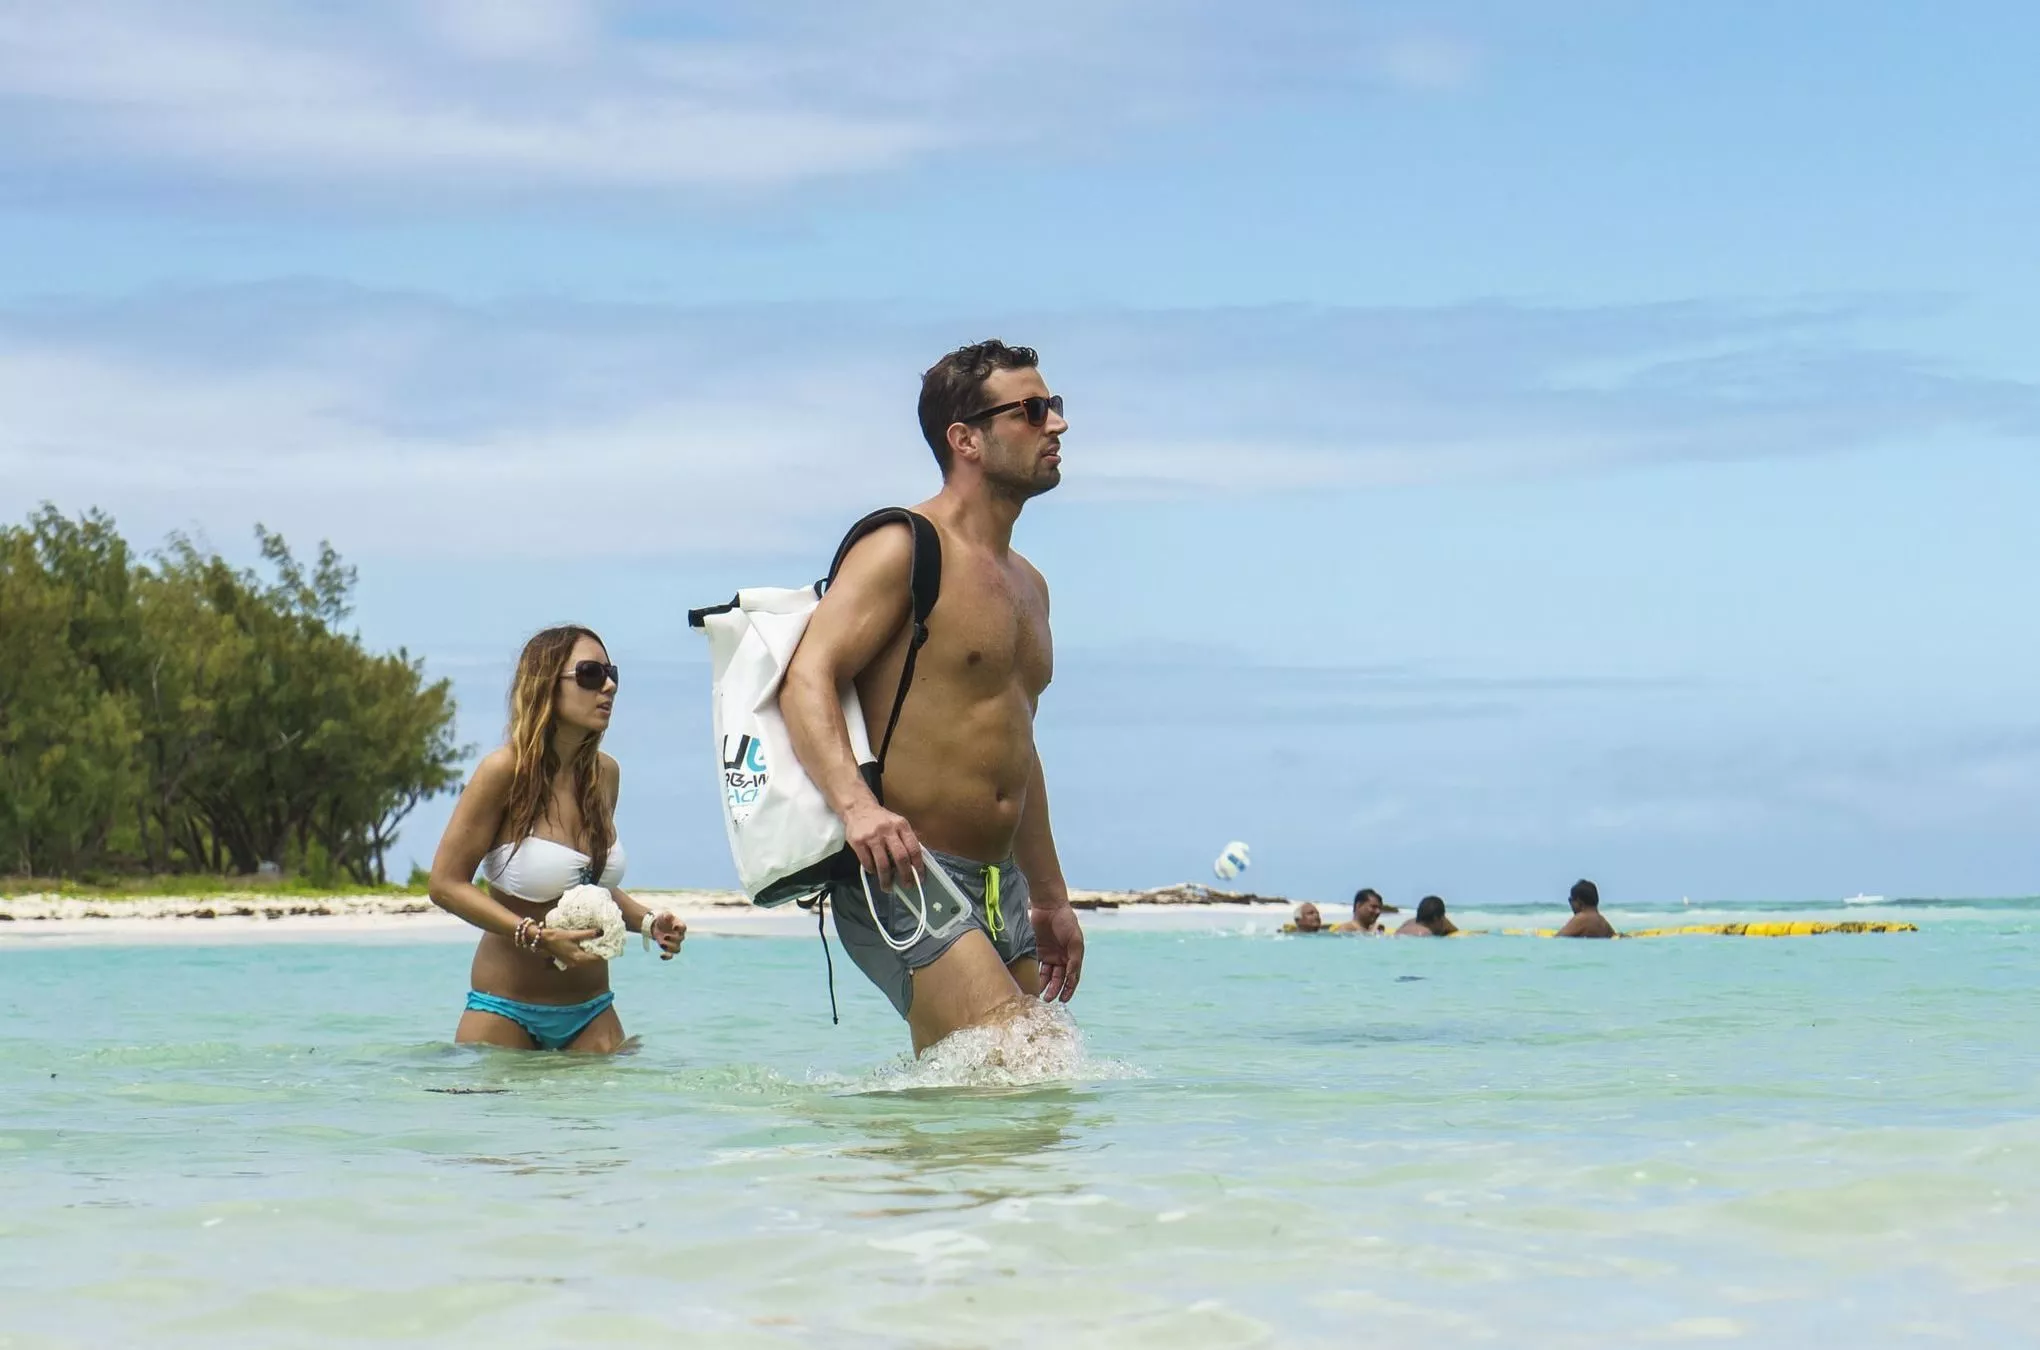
column 990, row 629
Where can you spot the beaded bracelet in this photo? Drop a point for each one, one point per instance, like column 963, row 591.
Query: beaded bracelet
column 529, row 935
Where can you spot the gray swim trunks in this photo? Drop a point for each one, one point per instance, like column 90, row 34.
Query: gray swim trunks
column 892, row 971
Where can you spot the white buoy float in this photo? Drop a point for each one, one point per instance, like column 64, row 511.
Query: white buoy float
column 1231, row 862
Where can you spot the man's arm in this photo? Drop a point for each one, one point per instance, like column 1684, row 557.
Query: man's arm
column 1058, row 937
column 1034, row 846
column 860, row 614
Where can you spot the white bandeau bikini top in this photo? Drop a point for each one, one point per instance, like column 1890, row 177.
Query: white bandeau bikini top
column 543, row 869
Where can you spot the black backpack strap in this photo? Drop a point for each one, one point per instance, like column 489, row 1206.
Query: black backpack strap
column 926, row 583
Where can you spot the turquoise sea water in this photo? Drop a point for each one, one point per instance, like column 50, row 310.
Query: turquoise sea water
column 1265, row 1141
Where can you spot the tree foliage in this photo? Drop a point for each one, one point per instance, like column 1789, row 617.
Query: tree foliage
column 186, row 715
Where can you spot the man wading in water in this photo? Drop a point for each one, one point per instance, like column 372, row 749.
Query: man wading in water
column 961, row 777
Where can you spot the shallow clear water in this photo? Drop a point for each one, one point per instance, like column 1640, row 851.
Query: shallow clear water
column 1293, row 1141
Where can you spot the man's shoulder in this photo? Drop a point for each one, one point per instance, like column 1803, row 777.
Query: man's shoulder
column 883, row 552
column 1031, row 570
column 881, row 535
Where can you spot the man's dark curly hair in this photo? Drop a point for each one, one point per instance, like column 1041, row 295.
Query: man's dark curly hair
column 952, row 388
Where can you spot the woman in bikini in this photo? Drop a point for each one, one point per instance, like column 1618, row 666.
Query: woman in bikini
column 537, row 819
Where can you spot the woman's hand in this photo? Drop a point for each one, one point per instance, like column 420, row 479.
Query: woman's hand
column 564, row 946
column 669, row 931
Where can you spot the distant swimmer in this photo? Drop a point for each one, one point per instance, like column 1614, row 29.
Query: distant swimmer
column 1366, row 913
column 1430, row 920
column 1307, row 920
column 1586, row 921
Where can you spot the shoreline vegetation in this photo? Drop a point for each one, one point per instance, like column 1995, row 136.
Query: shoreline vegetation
column 193, row 886
column 177, row 714
column 22, row 901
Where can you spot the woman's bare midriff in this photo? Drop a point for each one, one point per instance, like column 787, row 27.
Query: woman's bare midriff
column 503, row 970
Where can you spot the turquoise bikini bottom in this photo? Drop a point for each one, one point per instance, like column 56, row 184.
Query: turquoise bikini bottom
column 552, row 1026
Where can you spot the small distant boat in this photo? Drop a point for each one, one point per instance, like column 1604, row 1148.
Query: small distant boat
column 1864, row 900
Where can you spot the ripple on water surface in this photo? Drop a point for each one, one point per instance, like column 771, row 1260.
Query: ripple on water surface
column 1251, row 1141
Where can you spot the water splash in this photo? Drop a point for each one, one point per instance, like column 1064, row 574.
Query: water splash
column 1037, row 1044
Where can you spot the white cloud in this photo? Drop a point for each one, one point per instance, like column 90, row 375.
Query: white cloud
column 439, row 97
column 338, row 106
column 1429, row 63
column 401, row 424
column 514, row 30
column 307, row 453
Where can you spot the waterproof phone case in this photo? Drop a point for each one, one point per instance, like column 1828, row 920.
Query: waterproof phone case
column 945, row 901
column 933, row 898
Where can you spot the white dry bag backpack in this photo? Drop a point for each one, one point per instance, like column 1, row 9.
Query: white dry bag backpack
column 788, row 844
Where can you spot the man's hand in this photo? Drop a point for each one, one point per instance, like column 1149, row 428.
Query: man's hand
column 668, row 931
column 883, row 842
column 1058, row 949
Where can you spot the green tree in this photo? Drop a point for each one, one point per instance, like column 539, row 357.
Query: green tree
column 196, row 658
column 69, row 782
column 190, row 715
column 319, row 748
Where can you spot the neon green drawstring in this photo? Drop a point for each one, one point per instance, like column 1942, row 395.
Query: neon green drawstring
column 993, row 917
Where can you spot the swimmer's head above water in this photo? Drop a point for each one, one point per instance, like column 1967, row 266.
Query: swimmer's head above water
column 1430, row 920
column 1585, row 895
column 1367, row 908
column 1308, row 920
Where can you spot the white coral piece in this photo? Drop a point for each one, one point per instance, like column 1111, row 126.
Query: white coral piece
column 590, row 907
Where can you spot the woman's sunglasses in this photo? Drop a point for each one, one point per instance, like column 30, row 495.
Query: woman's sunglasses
column 592, row 675
column 1037, row 409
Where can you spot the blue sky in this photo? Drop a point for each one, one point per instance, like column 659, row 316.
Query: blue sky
column 1511, row 441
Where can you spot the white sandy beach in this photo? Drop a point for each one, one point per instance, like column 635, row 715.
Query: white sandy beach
column 256, row 917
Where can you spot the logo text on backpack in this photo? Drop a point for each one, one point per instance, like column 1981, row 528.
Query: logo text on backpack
column 744, row 773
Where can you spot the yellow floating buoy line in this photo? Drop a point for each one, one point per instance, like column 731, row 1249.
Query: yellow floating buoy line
column 1796, row 928
column 1774, row 929
column 1770, row 929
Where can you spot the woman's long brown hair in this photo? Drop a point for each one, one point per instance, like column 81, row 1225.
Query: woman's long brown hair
column 534, row 712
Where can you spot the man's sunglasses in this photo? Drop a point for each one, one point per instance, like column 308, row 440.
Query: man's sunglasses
column 592, row 675
column 1036, row 408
